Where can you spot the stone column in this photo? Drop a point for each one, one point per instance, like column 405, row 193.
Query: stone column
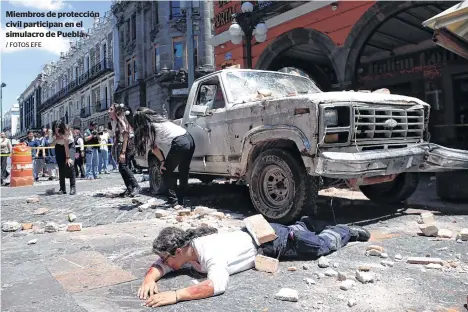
column 205, row 50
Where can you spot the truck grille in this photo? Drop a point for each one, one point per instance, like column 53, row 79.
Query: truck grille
column 387, row 123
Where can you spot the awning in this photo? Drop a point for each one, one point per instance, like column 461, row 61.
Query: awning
column 451, row 29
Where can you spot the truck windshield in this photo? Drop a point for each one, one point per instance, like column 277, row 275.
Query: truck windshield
column 248, row 86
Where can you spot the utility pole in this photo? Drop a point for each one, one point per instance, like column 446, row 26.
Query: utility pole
column 190, row 39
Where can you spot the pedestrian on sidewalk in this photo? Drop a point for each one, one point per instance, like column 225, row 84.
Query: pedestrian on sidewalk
column 37, row 162
column 63, row 141
column 92, row 152
column 222, row 254
column 79, row 154
column 124, row 146
column 171, row 144
column 5, row 149
column 103, row 151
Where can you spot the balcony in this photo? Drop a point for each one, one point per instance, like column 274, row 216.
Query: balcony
column 94, row 72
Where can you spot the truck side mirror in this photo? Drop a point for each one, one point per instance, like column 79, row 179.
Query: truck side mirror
column 200, row 110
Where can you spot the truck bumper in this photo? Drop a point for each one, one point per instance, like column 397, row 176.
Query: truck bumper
column 424, row 157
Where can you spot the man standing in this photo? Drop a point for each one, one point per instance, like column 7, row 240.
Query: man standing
column 92, row 153
column 103, row 153
column 34, row 144
column 79, row 154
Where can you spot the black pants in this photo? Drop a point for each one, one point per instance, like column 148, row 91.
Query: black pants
column 4, row 162
column 180, row 155
column 65, row 171
column 308, row 238
column 124, row 167
column 79, row 165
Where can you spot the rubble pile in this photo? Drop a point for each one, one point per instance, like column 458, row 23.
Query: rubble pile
column 429, row 228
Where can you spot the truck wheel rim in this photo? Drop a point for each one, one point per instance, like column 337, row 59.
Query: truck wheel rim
column 275, row 187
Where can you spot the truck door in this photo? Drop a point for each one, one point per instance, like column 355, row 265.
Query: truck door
column 207, row 124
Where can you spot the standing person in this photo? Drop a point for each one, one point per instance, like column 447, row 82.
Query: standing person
column 220, row 255
column 63, row 141
column 171, row 144
column 49, row 158
column 92, row 153
column 124, row 146
column 5, row 149
column 111, row 157
column 79, row 154
column 103, row 151
column 34, row 144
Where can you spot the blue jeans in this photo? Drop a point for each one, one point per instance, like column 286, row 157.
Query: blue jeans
column 92, row 163
column 112, row 160
column 103, row 160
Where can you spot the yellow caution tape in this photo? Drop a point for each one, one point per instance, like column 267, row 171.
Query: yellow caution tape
column 50, row 147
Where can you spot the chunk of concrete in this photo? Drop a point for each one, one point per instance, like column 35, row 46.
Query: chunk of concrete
column 266, row 264
column 323, row 262
column 347, row 284
column 11, row 226
column 287, row 294
column 74, row 227
column 375, row 247
column 365, row 277
column 427, row 218
column 464, row 234
column 443, row 233
column 429, row 229
column 161, row 213
column 424, row 260
column 51, row 227
column 260, row 229
column 71, row 217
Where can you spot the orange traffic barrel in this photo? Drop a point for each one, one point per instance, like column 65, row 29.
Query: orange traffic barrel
column 21, row 166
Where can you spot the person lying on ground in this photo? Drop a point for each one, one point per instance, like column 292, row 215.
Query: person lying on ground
column 222, row 254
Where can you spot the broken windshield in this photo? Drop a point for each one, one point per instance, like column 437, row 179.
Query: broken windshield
column 248, row 86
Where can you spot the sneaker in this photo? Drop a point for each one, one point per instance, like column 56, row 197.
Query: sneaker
column 62, row 192
column 359, row 234
column 72, row 190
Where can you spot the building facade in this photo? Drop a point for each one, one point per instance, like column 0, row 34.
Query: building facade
column 11, row 120
column 358, row 45
column 78, row 87
column 151, row 53
column 29, row 103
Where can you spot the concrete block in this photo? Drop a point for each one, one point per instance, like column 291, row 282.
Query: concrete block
column 260, row 229
column 266, row 264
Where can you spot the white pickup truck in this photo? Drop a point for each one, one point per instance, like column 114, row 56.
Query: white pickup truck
column 279, row 133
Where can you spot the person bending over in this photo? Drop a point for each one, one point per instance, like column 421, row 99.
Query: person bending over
column 221, row 254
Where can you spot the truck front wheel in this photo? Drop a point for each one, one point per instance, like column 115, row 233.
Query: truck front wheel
column 393, row 192
column 156, row 182
column 280, row 187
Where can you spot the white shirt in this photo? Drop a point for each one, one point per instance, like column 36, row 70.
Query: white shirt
column 103, row 139
column 80, row 143
column 60, row 141
column 167, row 131
column 220, row 255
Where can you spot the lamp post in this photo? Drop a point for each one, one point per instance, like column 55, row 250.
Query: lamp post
column 1, row 106
column 248, row 24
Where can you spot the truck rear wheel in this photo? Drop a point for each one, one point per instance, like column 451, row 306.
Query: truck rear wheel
column 280, row 187
column 394, row 192
column 155, row 177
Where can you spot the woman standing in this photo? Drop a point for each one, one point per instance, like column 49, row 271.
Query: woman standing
column 169, row 140
column 124, row 146
column 64, row 153
column 5, row 149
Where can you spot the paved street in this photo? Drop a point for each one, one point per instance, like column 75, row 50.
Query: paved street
column 101, row 267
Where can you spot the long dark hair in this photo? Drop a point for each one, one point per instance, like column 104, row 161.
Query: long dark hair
column 142, row 119
column 171, row 238
column 62, row 127
column 124, row 117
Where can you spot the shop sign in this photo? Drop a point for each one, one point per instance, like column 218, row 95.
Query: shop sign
column 183, row 91
column 225, row 12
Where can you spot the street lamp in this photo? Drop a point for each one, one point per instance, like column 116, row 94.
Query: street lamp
column 1, row 106
column 247, row 24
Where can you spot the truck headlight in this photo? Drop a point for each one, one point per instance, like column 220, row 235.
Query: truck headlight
column 330, row 117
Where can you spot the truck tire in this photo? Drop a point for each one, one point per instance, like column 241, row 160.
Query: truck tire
column 155, row 177
column 394, row 192
column 280, row 187
column 451, row 186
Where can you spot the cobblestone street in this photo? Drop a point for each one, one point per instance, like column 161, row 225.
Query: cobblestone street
column 101, row 267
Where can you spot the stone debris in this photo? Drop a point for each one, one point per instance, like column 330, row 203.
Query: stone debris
column 32, row 200
column 71, row 217
column 161, row 213
column 365, row 277
column 352, row 303
column 143, row 207
column 26, row 226
column 11, row 226
column 375, row 247
column 364, row 268
column 266, row 264
column 426, row 218
column 336, row 264
column 292, row 269
column 319, row 275
column 41, row 211
column 51, row 227
column 373, row 252
column 331, row 273
column 39, row 230
column 153, row 202
column 398, row 257
column 384, row 255
column 305, row 267
column 463, row 235
column 323, row 262
column 50, row 191
column 443, row 233
column 429, row 229
column 342, row 276
column 74, row 227
column 260, row 229
column 387, row 263
column 179, row 219
column 287, row 294
column 218, row 215
column 424, row 260
column 309, row 281
column 32, row 241
column 347, row 284
column 435, row 266
column 178, row 207
column 184, row 212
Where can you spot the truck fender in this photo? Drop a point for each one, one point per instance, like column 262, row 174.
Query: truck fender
column 269, row 133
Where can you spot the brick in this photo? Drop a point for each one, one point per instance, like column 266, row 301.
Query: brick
column 260, row 229
column 429, row 229
column 364, row 268
column 427, row 218
column 292, row 269
column 424, row 260
column 74, row 227
column 179, row 219
column 443, row 233
column 266, row 264
column 26, row 226
column 464, row 234
column 32, row 200
column 375, row 247
column 184, row 212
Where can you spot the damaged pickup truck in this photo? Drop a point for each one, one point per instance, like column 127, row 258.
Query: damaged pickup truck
column 280, row 134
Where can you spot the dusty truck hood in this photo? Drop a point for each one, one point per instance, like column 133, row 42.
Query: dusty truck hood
column 363, row 97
